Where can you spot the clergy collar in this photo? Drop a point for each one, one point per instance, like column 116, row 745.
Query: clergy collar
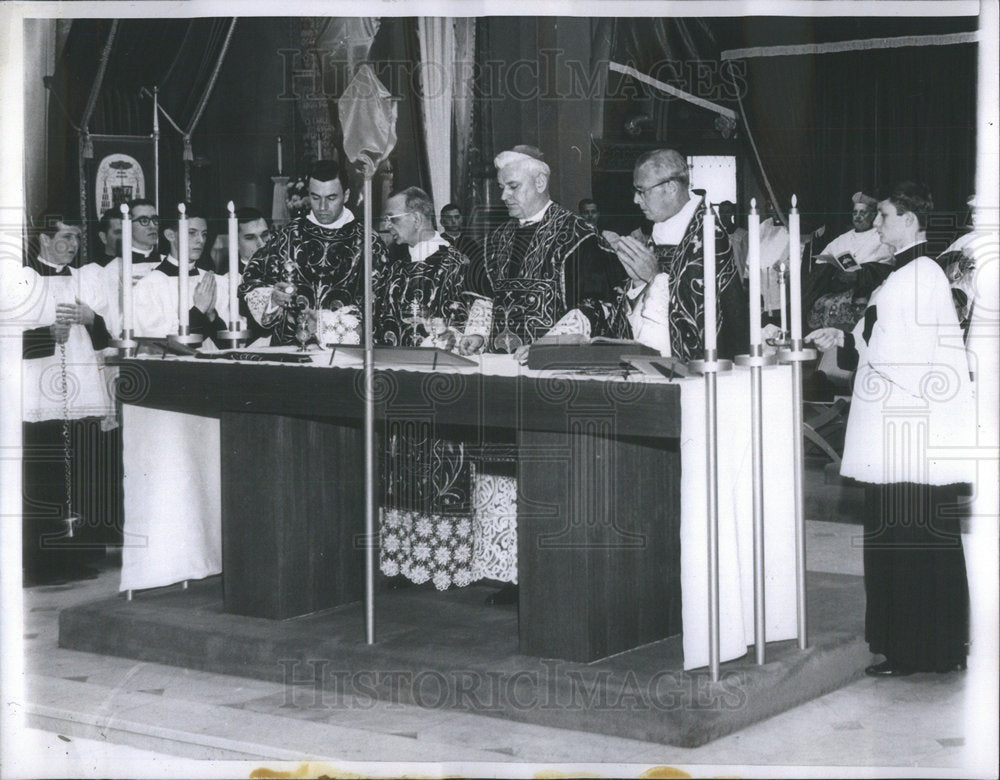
column 912, row 252
column 57, row 268
column 421, row 251
column 345, row 216
column 536, row 217
column 671, row 230
column 144, row 252
column 192, row 265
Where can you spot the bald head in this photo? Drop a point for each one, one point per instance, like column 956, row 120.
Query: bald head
column 660, row 181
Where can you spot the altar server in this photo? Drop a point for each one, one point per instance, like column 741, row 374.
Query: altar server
column 912, row 411
column 67, row 407
column 155, row 299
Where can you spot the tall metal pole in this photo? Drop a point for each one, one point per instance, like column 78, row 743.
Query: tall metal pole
column 369, row 429
column 757, row 437
column 800, row 519
column 156, row 148
column 796, row 354
column 756, row 361
column 712, row 483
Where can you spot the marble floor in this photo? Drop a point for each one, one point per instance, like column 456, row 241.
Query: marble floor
column 91, row 715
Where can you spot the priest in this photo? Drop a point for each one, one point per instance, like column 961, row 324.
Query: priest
column 315, row 262
column 548, row 270
column 670, row 264
column 544, row 262
column 427, row 524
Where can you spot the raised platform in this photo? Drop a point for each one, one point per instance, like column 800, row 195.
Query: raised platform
column 447, row 650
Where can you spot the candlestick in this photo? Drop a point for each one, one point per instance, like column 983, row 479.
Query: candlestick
column 710, row 303
column 126, row 270
column 795, row 272
column 182, row 267
column 781, row 297
column 279, row 155
column 234, row 267
column 753, row 272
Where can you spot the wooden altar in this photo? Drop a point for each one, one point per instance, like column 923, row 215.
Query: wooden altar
column 598, row 466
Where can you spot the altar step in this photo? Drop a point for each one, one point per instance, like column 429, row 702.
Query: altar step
column 448, row 652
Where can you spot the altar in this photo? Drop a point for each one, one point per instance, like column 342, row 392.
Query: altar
column 612, row 543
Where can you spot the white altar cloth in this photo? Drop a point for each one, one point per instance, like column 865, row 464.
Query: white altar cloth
column 736, row 616
column 173, row 498
column 173, row 504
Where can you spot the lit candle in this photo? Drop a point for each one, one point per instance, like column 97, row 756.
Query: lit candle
column 709, row 237
column 234, row 267
column 782, row 303
column 753, row 272
column 795, row 272
column 126, row 270
column 182, row 267
column 279, row 155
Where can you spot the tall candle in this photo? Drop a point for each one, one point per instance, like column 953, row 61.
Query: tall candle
column 234, row 266
column 279, row 155
column 126, row 270
column 795, row 272
column 182, row 267
column 782, row 303
column 710, row 307
column 753, row 272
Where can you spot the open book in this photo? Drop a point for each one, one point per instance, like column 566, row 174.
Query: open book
column 845, row 262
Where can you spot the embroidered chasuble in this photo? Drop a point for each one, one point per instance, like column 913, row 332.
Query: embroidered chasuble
column 434, row 285
column 426, row 530
column 540, row 271
column 327, row 267
column 684, row 265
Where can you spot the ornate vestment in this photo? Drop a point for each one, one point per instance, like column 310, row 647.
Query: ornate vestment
column 435, row 285
column 541, row 270
column 327, row 268
column 684, row 263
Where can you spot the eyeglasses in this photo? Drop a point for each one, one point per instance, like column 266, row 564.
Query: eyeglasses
column 641, row 191
column 147, row 221
column 389, row 217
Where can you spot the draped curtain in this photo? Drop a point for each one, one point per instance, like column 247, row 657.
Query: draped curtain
column 437, row 55
column 828, row 125
column 462, row 102
column 39, row 59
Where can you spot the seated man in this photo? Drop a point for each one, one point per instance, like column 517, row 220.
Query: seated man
column 849, row 268
column 155, row 298
column 67, row 409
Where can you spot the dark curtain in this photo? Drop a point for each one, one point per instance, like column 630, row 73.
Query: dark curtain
column 668, row 50
column 394, row 55
column 177, row 55
column 828, row 125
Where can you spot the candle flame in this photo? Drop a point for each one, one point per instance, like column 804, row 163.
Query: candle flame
column 124, row 210
column 182, row 209
column 795, row 201
column 232, row 208
column 753, row 205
